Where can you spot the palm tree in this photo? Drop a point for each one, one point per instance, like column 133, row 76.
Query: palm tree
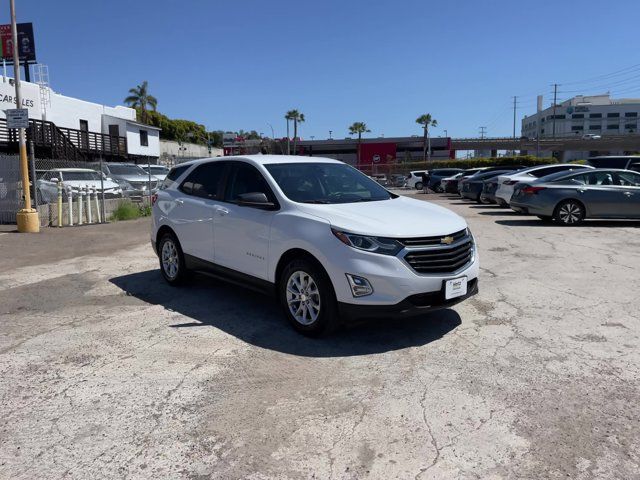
column 297, row 117
column 426, row 121
column 139, row 98
column 358, row 128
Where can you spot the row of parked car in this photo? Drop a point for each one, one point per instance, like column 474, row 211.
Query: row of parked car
column 117, row 180
column 606, row 187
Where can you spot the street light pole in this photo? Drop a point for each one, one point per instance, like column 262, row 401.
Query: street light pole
column 27, row 218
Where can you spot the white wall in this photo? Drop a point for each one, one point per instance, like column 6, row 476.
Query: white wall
column 30, row 97
column 133, row 141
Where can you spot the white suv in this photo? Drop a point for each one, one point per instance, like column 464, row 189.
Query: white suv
column 330, row 242
column 414, row 179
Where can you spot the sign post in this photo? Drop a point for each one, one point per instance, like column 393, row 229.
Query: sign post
column 27, row 218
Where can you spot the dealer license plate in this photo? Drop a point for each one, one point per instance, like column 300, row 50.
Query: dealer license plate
column 455, row 288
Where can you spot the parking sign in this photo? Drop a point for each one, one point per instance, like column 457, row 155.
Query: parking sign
column 17, row 118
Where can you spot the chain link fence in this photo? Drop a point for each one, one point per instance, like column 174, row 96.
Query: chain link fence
column 105, row 193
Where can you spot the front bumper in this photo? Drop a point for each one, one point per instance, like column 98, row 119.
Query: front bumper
column 412, row 306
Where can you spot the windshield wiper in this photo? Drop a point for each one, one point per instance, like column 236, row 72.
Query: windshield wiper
column 316, row 201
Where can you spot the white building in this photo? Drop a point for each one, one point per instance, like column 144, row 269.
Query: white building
column 92, row 128
column 582, row 115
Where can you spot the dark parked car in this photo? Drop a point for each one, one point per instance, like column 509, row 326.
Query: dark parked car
column 472, row 187
column 437, row 174
column 570, row 197
column 627, row 162
column 450, row 184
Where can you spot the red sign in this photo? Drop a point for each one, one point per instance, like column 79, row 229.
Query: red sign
column 377, row 153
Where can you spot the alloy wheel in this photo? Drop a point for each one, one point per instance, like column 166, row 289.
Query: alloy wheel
column 303, row 298
column 170, row 260
column 570, row 213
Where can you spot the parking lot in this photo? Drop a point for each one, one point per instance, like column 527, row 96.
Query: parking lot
column 109, row 372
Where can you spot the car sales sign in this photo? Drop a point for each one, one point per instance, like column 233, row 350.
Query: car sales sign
column 17, row 117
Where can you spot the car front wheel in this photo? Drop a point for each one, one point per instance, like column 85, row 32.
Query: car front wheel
column 419, row 186
column 308, row 299
column 171, row 258
column 569, row 212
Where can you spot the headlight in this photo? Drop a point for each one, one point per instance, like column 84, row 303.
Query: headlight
column 385, row 246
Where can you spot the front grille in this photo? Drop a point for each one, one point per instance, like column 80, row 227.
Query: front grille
column 442, row 258
column 142, row 185
column 430, row 241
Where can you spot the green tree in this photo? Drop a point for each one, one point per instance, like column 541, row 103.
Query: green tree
column 358, row 128
column 140, row 99
column 297, row 117
column 426, row 121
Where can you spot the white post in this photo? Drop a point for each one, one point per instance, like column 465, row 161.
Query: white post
column 88, row 199
column 80, row 194
column 70, row 200
column 97, row 205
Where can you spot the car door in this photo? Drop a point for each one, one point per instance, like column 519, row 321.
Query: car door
column 629, row 190
column 242, row 233
column 195, row 203
column 599, row 194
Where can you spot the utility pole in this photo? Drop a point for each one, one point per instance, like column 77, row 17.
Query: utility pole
column 555, row 98
column 288, row 139
column 330, row 132
column 27, row 218
column 483, row 130
column 515, row 103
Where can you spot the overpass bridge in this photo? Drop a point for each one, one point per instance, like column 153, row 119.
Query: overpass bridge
column 627, row 143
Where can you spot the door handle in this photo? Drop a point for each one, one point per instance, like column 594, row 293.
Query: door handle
column 179, row 201
column 628, row 194
column 222, row 211
column 582, row 190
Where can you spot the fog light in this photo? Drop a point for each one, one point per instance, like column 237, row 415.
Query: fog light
column 360, row 286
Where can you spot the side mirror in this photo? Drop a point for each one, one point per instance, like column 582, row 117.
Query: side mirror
column 55, row 180
column 255, row 200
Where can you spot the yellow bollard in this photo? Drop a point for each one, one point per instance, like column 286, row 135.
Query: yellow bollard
column 59, row 204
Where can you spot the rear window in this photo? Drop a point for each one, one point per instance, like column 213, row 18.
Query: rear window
column 173, row 175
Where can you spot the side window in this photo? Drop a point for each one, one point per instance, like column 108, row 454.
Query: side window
column 173, row 175
column 246, row 179
column 578, row 179
column 144, row 138
column 629, row 179
column 205, row 180
column 601, row 179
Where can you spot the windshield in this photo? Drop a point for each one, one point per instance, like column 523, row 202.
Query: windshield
column 126, row 170
column 71, row 176
column 326, row 183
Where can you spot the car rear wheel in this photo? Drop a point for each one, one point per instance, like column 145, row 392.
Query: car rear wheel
column 308, row 299
column 419, row 186
column 569, row 212
column 171, row 258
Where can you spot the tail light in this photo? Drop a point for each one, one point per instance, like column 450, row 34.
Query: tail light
column 532, row 190
column 154, row 199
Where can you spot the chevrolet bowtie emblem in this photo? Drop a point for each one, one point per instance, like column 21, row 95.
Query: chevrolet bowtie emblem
column 447, row 240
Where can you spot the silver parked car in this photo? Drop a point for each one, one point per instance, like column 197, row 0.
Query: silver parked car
column 570, row 197
column 133, row 180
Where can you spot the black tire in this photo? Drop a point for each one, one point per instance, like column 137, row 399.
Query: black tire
column 418, row 185
column 169, row 240
column 327, row 315
column 569, row 212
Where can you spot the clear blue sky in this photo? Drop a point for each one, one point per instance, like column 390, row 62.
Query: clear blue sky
column 233, row 65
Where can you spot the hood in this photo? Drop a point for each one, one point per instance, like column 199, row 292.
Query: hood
column 400, row 218
column 108, row 184
column 135, row 178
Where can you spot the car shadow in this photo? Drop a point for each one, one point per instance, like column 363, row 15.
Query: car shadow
column 500, row 211
column 257, row 319
column 534, row 222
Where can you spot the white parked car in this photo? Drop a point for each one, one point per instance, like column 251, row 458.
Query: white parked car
column 74, row 179
column 507, row 182
column 157, row 171
column 414, row 179
column 330, row 242
column 591, row 136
